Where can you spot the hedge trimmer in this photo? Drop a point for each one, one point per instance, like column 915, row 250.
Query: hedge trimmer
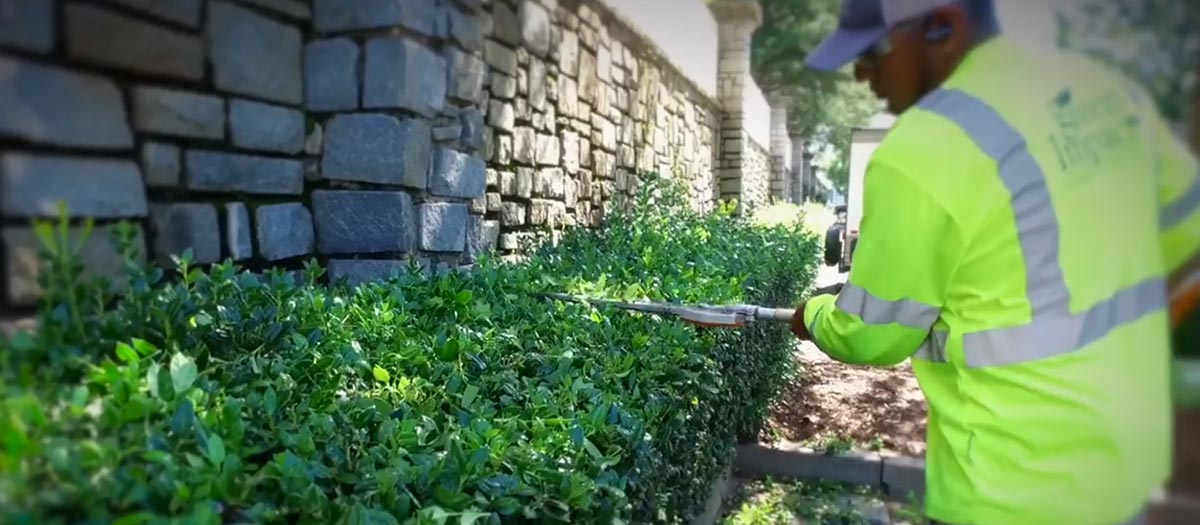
column 732, row 316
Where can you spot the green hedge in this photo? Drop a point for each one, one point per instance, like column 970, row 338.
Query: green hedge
column 222, row 396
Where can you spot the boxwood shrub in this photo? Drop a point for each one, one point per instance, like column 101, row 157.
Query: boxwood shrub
column 219, row 395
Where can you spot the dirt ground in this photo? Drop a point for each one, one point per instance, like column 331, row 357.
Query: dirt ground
column 833, row 404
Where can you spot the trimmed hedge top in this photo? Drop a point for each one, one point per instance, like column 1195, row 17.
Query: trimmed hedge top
column 229, row 397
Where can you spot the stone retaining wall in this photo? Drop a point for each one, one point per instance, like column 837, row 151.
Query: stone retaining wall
column 363, row 133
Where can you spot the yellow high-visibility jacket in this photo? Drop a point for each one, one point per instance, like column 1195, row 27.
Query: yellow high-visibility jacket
column 1019, row 225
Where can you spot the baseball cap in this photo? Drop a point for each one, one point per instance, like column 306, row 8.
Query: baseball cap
column 862, row 23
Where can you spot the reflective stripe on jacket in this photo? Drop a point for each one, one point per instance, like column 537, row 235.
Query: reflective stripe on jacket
column 1018, row 228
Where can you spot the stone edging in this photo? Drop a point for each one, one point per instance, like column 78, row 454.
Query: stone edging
column 896, row 476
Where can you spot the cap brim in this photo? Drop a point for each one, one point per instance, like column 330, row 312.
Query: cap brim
column 843, row 47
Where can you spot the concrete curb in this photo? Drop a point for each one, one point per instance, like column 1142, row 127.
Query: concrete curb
column 716, row 499
column 896, row 476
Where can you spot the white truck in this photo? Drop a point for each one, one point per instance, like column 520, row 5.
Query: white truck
column 863, row 142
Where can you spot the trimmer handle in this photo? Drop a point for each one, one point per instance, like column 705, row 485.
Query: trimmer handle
column 776, row 314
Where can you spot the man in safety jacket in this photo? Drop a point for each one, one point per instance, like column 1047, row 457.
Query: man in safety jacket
column 1021, row 222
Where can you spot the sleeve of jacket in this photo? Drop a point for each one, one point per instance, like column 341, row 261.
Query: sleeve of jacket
column 908, row 247
column 1178, row 174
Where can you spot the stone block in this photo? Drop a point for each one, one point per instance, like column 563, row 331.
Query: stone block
column 570, row 151
column 568, row 54
column 363, row 221
column 346, row 15
column 505, row 25
column 588, row 83
column 378, row 149
column 465, row 28
column 604, row 65
column 330, row 75
column 22, row 259
column 27, row 25
column 525, row 178
column 160, row 164
column 360, row 271
column 535, row 28
column 537, row 85
column 33, row 185
column 568, row 97
column 571, row 193
column 105, row 38
column 790, row 461
column 216, row 171
column 295, row 9
column 482, row 237
column 458, row 175
column 507, row 183
column 512, row 213
column 524, row 142
column 266, row 127
column 185, row 12
column 501, row 115
column 314, row 143
column 51, row 105
column 400, row 73
column 442, row 226
column 446, row 133
column 604, row 134
column 549, row 183
column 504, row 150
column 238, row 244
column 178, row 113
column 504, row 86
column 500, row 58
column 547, row 150
column 472, row 129
column 179, row 227
column 546, row 213
column 283, row 230
column 479, row 206
column 510, row 241
column 902, row 475
column 492, row 202
column 254, row 55
column 466, row 74
column 585, row 184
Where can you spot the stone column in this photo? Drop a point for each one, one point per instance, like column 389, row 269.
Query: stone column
column 797, row 173
column 781, row 145
column 807, row 180
column 737, row 21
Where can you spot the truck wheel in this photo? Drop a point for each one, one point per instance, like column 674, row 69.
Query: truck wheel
column 833, row 247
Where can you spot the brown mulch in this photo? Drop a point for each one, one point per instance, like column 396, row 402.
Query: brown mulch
column 869, row 405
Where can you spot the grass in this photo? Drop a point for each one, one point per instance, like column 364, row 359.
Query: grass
column 768, row 502
column 810, row 502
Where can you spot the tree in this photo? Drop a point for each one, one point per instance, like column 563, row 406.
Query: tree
column 1152, row 41
column 824, row 105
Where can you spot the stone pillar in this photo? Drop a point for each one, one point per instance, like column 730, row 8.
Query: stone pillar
column 807, row 180
column 781, row 145
column 797, row 173
column 737, row 21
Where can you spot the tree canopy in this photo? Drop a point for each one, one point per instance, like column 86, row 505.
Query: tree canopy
column 824, row 105
column 1153, row 41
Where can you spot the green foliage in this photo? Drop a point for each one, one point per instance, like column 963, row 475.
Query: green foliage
column 1152, row 41
column 824, row 105
column 223, row 396
column 819, row 502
